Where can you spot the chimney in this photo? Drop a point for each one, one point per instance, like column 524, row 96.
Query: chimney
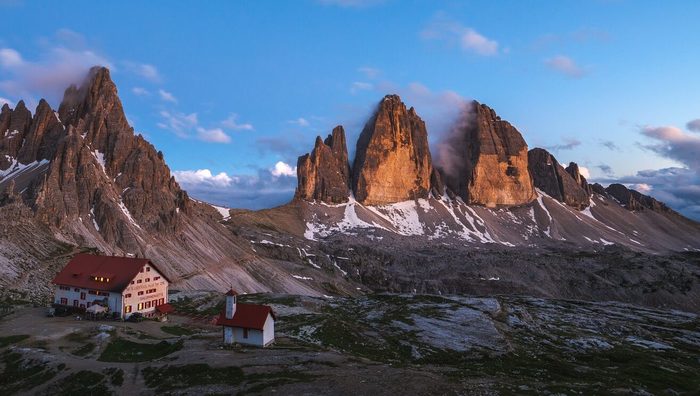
column 230, row 304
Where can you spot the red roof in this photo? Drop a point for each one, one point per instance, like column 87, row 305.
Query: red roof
column 120, row 271
column 247, row 316
column 165, row 308
column 231, row 293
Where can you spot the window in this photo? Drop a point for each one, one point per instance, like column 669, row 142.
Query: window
column 82, row 295
column 148, row 269
column 245, row 333
column 76, row 290
column 76, row 303
column 148, row 304
column 160, row 302
column 138, row 281
column 64, row 287
column 140, row 306
column 154, row 303
column 127, row 309
column 155, row 278
column 147, row 280
column 127, row 295
column 132, row 282
column 64, row 301
column 141, row 293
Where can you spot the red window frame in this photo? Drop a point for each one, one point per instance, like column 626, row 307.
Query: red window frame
column 82, row 295
column 64, row 301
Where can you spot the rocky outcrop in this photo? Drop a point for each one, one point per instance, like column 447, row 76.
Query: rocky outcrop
column 574, row 171
column 550, row 177
column 14, row 126
column 99, row 173
column 487, row 160
column 636, row 201
column 324, row 174
column 392, row 161
column 598, row 189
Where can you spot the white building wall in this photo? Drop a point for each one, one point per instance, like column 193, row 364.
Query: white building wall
column 76, row 293
column 228, row 335
column 147, row 283
column 118, row 302
column 255, row 337
column 269, row 330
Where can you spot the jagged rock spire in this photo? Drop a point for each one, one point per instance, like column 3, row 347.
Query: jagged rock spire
column 550, row 177
column 392, row 160
column 324, row 174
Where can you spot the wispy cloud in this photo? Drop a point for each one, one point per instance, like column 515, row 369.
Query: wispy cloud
column 167, row 96
column 179, row 123
column 300, row 122
column 369, row 72
column 358, row 86
column 143, row 70
column 232, row 123
column 139, row 91
column 214, row 135
column 610, row 145
column 606, row 169
column 568, row 144
column 565, row 65
column 4, row 101
column 467, row 38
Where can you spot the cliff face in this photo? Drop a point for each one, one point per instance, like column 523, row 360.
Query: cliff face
column 392, row 161
column 492, row 169
column 636, row 201
column 550, row 177
column 83, row 168
column 573, row 170
column 324, row 174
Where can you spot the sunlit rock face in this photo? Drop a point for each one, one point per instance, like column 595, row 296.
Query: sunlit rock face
column 324, row 174
column 392, row 161
column 488, row 160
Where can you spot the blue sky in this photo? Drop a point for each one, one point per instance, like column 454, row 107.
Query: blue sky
column 233, row 92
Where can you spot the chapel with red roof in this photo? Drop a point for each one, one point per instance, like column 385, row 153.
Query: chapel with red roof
column 249, row 324
column 121, row 284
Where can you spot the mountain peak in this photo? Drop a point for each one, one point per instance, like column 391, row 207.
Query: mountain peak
column 392, row 161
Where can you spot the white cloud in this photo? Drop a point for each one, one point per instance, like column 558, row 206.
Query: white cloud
column 215, row 135
column 232, row 123
column 178, row 123
column 138, row 91
column 584, row 172
column 3, row 101
column 148, row 72
column 283, row 169
column 253, row 191
column 49, row 75
column 467, row 38
column 565, row 65
column 167, row 96
column 642, row 188
column 10, row 58
column 302, row 122
column 203, row 176
column 361, row 86
column 472, row 40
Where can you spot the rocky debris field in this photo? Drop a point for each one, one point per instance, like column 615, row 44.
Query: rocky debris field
column 376, row 344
